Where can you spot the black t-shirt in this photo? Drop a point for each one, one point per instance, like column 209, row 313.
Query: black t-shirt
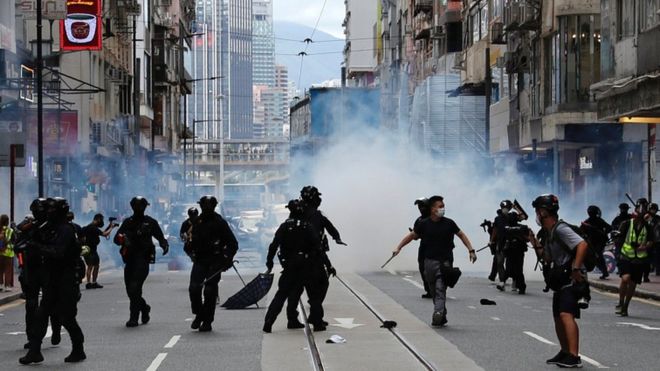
column 437, row 238
column 499, row 225
column 91, row 236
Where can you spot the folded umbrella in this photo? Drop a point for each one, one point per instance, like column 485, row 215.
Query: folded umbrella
column 254, row 291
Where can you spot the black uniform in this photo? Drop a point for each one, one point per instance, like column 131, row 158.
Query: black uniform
column 138, row 251
column 302, row 258
column 499, row 227
column 616, row 223
column 60, row 252
column 598, row 230
column 515, row 247
column 420, row 259
column 319, row 224
column 213, row 247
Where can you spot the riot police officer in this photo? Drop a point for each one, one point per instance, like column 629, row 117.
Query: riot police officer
column 497, row 239
column 598, row 231
column 138, row 251
column 213, row 246
column 300, row 254
column 60, row 252
column 311, row 199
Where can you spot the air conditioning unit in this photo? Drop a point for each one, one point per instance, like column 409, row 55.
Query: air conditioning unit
column 114, row 74
column 512, row 15
column 499, row 62
column 527, row 13
column 497, row 33
column 459, row 61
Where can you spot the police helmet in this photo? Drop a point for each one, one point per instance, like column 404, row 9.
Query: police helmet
column 594, row 211
column 57, row 206
column 308, row 193
column 38, row 205
column 296, row 207
column 624, row 206
column 506, row 204
column 642, row 205
column 208, row 201
column 139, row 201
column 193, row 212
column 548, row 202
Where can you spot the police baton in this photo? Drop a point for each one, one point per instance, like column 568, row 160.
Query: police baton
column 388, row 260
column 483, row 248
column 631, row 200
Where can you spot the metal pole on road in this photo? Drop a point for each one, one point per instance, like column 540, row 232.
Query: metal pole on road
column 40, row 104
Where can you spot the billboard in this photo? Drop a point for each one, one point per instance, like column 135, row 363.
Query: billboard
column 81, row 29
column 50, row 9
column 60, row 134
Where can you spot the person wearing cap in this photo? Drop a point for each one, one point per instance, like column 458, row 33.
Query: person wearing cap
column 653, row 219
column 138, row 251
column 564, row 252
column 632, row 246
column 422, row 204
column 622, row 216
column 212, row 247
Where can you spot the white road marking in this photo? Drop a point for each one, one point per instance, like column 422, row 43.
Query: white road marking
column 172, row 341
column 188, row 320
column 546, row 341
column 539, row 338
column 408, row 276
column 15, row 333
column 157, row 361
column 640, row 325
column 346, row 323
column 451, row 297
column 415, row 283
column 472, row 307
column 495, row 318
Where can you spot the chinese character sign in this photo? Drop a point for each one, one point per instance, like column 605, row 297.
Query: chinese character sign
column 81, row 30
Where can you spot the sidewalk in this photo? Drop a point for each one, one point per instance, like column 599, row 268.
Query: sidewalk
column 8, row 297
column 647, row 290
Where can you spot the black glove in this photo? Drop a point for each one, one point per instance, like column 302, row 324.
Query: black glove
column 269, row 265
column 166, row 249
column 332, row 272
column 340, row 242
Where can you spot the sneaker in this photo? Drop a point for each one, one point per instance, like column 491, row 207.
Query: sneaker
column 569, row 361
column 205, row 327
column 427, row 296
column 439, row 319
column 319, row 327
column 89, row 286
column 618, row 309
column 491, row 278
column 96, row 285
column 556, row 358
column 196, row 323
column 500, row 287
column 268, row 328
column 132, row 323
column 31, row 357
column 145, row 314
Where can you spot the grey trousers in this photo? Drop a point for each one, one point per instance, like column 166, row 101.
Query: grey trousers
column 437, row 286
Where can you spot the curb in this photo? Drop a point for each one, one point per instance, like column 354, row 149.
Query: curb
column 9, row 298
column 639, row 293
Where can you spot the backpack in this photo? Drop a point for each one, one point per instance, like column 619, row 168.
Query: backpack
column 591, row 256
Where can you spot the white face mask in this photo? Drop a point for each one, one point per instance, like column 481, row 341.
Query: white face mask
column 505, row 211
column 440, row 212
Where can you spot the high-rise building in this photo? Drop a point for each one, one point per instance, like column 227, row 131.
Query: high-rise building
column 222, row 70
column 263, row 43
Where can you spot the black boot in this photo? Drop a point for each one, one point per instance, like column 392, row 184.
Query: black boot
column 295, row 324
column 268, row 327
column 205, row 327
column 196, row 323
column 133, row 320
column 32, row 356
column 145, row 314
column 77, row 354
column 56, row 338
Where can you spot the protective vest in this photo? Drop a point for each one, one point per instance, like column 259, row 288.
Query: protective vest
column 7, row 244
column 628, row 250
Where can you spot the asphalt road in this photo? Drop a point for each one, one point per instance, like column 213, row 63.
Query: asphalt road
column 515, row 334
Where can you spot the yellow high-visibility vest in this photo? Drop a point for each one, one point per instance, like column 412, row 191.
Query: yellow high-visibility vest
column 628, row 250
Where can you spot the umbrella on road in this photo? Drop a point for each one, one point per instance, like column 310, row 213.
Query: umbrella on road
column 254, row 291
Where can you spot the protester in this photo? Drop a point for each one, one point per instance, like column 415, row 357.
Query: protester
column 6, row 254
column 91, row 237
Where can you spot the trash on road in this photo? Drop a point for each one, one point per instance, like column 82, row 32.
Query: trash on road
column 336, row 339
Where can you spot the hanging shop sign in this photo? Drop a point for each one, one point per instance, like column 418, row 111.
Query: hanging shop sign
column 81, row 29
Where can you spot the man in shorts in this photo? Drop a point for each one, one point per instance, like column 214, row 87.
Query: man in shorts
column 91, row 237
column 564, row 251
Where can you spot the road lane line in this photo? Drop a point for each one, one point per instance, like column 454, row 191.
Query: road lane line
column 616, row 296
column 539, row 338
column 172, row 341
column 495, row 318
column 472, row 307
column 640, row 325
column 157, row 361
column 415, row 283
column 546, row 341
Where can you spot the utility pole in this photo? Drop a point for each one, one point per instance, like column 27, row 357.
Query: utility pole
column 40, row 104
column 136, row 87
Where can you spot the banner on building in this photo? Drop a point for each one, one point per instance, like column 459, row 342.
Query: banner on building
column 50, row 9
column 81, row 29
column 60, row 135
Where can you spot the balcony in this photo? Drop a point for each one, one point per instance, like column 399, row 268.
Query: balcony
column 423, row 6
column 422, row 26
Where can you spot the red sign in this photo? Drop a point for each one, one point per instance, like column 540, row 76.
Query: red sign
column 81, row 30
column 60, row 135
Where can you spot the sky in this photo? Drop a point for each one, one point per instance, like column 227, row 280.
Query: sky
column 307, row 12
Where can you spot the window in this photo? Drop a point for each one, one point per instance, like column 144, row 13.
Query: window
column 649, row 14
column 625, row 18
